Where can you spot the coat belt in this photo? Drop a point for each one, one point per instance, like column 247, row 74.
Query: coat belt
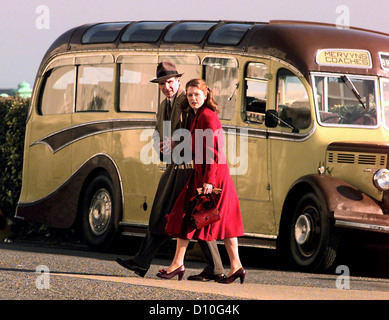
column 184, row 166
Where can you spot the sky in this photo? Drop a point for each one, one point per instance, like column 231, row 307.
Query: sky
column 29, row 27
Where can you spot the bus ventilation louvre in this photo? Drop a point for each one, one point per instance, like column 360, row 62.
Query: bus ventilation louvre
column 353, row 158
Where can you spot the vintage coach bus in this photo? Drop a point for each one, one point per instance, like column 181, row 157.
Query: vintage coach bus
column 304, row 108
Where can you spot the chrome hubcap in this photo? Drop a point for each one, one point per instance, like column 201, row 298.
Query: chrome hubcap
column 302, row 229
column 100, row 212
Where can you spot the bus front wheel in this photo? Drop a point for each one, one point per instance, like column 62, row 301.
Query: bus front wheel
column 313, row 242
column 97, row 213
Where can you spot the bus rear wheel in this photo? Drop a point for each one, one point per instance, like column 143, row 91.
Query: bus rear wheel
column 313, row 242
column 97, row 213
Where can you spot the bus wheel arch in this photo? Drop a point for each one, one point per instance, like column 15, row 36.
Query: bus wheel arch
column 307, row 237
column 99, row 209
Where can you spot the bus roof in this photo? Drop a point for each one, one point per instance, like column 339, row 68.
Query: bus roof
column 295, row 42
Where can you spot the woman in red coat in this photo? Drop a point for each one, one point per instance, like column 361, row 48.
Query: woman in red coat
column 210, row 171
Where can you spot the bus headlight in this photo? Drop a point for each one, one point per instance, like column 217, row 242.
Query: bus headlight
column 381, row 179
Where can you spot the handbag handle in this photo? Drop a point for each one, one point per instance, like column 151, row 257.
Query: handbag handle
column 214, row 190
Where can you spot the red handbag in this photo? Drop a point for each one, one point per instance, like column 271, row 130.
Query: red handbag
column 203, row 208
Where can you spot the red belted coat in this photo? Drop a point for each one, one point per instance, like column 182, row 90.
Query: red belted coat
column 210, row 166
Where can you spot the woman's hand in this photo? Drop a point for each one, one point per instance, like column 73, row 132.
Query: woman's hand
column 207, row 188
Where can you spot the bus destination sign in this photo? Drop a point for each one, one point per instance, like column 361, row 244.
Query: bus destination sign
column 344, row 58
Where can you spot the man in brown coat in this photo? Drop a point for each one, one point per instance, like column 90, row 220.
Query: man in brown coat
column 172, row 181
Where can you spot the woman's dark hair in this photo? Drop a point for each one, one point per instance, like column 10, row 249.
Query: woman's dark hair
column 200, row 84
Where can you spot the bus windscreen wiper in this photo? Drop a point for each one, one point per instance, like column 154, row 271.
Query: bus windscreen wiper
column 351, row 86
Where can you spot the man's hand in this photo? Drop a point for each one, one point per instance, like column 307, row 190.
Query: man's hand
column 167, row 145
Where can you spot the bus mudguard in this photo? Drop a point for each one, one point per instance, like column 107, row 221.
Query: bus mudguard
column 347, row 205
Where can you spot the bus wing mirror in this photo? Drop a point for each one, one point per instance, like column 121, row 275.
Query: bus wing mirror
column 271, row 118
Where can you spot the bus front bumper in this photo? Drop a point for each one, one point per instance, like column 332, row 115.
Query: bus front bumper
column 362, row 221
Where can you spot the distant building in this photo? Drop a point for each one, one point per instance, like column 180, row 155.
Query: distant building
column 7, row 92
column 24, row 90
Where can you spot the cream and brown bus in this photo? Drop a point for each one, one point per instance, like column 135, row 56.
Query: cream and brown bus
column 304, row 109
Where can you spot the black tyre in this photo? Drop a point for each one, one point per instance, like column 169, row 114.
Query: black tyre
column 313, row 242
column 97, row 213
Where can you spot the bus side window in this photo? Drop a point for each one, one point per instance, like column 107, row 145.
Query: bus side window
column 221, row 75
column 256, row 92
column 57, row 95
column 292, row 100
column 137, row 93
column 94, row 87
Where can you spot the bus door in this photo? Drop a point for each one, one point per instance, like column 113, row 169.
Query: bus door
column 133, row 145
column 252, row 180
column 290, row 148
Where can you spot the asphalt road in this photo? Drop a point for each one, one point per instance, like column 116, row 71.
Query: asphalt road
column 35, row 270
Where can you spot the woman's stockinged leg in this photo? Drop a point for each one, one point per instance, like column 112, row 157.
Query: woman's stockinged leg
column 231, row 245
column 179, row 255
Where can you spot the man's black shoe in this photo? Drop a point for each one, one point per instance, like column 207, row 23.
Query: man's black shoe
column 128, row 264
column 206, row 277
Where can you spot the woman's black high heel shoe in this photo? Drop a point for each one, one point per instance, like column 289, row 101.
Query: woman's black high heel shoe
column 179, row 271
column 241, row 273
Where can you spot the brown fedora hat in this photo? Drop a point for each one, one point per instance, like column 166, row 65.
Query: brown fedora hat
column 166, row 70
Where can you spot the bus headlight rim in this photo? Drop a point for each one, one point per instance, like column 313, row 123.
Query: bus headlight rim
column 381, row 179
